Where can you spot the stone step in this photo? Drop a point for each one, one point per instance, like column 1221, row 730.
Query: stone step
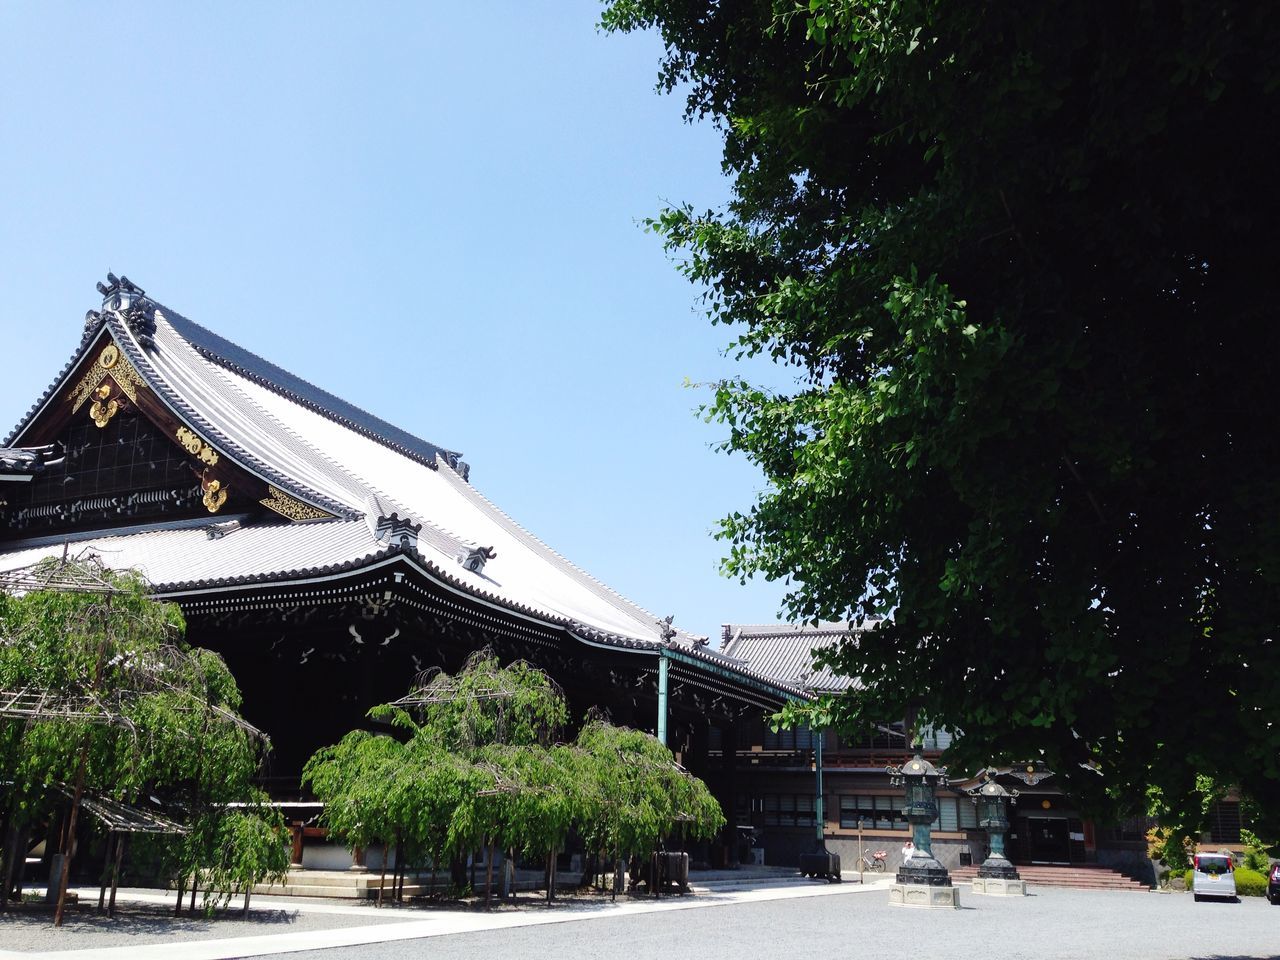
column 361, row 885
column 1081, row 877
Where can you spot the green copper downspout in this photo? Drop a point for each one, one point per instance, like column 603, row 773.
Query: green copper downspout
column 664, row 666
column 819, row 805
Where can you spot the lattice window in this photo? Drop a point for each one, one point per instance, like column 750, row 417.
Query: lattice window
column 801, row 738
column 887, row 737
column 1224, row 821
column 111, row 475
column 879, row 813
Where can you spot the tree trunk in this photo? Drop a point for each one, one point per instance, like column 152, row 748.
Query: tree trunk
column 15, row 843
column 68, row 843
column 245, row 913
column 182, row 889
column 6, row 856
column 458, row 871
column 18, row 868
column 401, row 869
column 382, row 880
column 488, row 867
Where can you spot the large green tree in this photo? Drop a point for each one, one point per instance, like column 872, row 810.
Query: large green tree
column 1017, row 257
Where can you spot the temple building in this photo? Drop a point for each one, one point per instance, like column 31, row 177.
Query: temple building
column 329, row 556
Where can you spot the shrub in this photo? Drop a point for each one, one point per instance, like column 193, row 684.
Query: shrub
column 1169, row 847
column 1256, row 852
column 1250, row 883
column 1187, row 877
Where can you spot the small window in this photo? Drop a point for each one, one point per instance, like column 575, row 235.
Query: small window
column 799, row 738
column 948, row 816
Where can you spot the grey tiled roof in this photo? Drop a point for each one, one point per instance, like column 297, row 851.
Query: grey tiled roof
column 185, row 556
column 326, row 452
column 784, row 651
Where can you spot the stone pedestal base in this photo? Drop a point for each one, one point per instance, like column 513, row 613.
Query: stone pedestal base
column 999, row 887
column 924, row 895
column 823, row 865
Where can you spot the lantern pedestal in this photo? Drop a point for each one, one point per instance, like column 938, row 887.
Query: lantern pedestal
column 924, row 882
column 997, row 877
column 821, row 865
column 925, row 896
column 999, row 887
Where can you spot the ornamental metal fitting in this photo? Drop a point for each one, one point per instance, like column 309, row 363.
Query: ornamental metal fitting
column 917, row 767
column 398, row 531
column 129, row 302
column 990, row 787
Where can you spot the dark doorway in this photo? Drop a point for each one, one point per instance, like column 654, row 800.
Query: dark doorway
column 1047, row 840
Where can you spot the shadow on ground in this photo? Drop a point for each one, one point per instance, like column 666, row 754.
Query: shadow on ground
column 139, row 919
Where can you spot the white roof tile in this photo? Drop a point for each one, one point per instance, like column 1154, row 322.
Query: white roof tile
column 335, row 456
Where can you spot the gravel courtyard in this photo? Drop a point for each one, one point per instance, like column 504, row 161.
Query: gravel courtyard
column 794, row 921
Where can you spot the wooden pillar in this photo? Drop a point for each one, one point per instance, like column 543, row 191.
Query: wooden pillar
column 728, row 798
column 121, row 840
column 112, row 839
column 295, row 835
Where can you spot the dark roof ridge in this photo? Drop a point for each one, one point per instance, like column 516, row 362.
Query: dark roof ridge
column 250, row 365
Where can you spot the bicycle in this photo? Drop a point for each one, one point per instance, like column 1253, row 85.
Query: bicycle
column 873, row 862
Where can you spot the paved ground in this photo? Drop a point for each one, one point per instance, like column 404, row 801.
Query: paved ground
column 796, row 921
column 145, row 918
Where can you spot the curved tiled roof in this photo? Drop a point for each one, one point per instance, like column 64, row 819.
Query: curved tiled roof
column 326, row 452
column 785, row 651
column 174, row 373
column 254, row 367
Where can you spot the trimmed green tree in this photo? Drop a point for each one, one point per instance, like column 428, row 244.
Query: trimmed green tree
column 479, row 768
column 101, row 695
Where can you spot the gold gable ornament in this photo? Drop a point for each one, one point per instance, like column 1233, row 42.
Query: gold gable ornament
column 112, row 368
column 292, row 509
column 103, row 409
column 215, row 494
column 198, row 448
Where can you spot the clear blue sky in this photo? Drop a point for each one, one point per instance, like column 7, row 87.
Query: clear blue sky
column 430, row 209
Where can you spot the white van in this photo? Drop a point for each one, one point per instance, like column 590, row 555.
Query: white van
column 1213, row 877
